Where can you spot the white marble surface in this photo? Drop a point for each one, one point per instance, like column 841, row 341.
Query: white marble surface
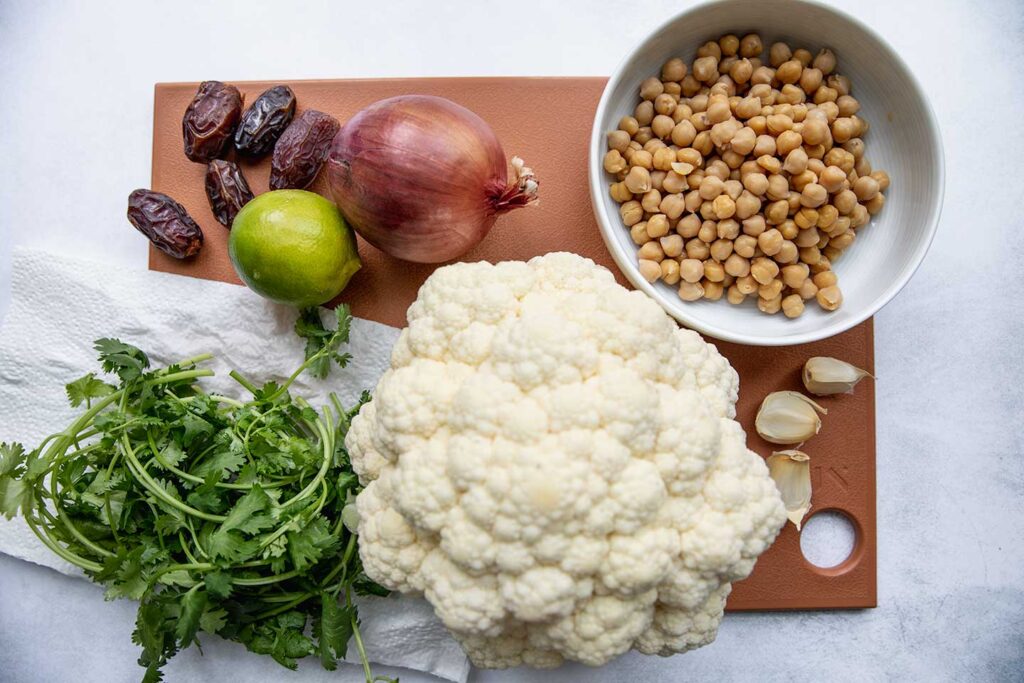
column 77, row 82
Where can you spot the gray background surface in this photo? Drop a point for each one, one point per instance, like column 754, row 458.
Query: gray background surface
column 75, row 130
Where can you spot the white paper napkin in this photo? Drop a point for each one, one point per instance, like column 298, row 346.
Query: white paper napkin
column 59, row 305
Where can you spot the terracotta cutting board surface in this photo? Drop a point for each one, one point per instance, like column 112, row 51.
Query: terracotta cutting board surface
column 547, row 122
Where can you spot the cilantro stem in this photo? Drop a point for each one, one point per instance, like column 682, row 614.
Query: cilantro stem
column 150, row 485
column 358, row 637
column 238, row 377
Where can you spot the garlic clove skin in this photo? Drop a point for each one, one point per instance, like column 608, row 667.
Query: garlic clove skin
column 824, row 376
column 788, row 417
column 791, row 472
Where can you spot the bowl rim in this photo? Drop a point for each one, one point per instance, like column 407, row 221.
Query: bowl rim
column 626, row 266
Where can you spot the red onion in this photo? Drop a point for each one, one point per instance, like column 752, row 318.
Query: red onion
column 423, row 178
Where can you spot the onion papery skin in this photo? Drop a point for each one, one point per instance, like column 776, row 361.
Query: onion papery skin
column 419, row 177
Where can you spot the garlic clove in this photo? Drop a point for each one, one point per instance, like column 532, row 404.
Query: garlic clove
column 788, row 417
column 825, row 376
column 791, row 471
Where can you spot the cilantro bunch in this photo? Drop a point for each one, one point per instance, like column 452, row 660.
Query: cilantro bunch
column 219, row 515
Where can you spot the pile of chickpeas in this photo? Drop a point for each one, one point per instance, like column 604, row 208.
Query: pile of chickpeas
column 742, row 178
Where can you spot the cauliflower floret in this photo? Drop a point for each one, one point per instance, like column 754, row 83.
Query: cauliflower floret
column 557, row 468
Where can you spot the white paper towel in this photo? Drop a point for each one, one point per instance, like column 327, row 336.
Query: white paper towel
column 59, row 305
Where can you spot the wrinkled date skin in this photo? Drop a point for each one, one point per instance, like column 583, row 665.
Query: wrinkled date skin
column 227, row 190
column 302, row 149
column 165, row 222
column 210, row 121
column 264, row 121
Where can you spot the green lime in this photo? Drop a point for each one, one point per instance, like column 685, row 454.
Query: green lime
column 293, row 247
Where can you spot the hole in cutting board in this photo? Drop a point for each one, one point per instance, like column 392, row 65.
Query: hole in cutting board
column 827, row 539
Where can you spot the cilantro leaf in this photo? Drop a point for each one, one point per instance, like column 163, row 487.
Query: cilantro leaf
column 309, row 544
column 332, row 630
column 126, row 361
column 322, row 343
column 86, row 388
column 12, row 457
column 213, row 620
column 193, row 604
column 15, row 494
column 231, row 546
column 243, row 515
column 218, row 584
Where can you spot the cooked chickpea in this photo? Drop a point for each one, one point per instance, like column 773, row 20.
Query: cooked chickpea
column 670, row 271
column 865, row 188
column 788, row 253
column 793, row 275
column 672, row 206
column 638, row 233
column 796, row 161
column 649, row 270
column 776, row 212
column 813, row 195
column 751, row 46
column 859, row 216
column 829, row 298
column 620, row 192
column 651, row 200
column 745, row 245
column 657, row 225
column 724, row 206
column 651, row 88
column 638, row 180
column 711, row 187
column 734, row 296
column 613, row 161
column 788, row 228
column 721, row 249
column 713, row 271
column 718, row 109
column 787, row 142
column 839, row 83
column 690, row 291
column 705, row 69
column 770, row 290
column 665, row 104
column 651, row 251
column 644, row 112
column 671, row 245
column 662, row 126
column 875, row 204
column 708, row 231
column 807, row 290
column 697, row 249
column 811, row 256
column 769, row 306
column 674, row 183
column 830, row 253
column 728, row 229
column 713, row 291
column 631, row 213
column 843, row 240
column 843, row 129
column 822, row 265
column 691, row 86
column 764, row 270
column 770, row 241
column 807, row 238
column 691, row 270
column 792, row 306
column 673, row 70
column 741, row 70
column 845, row 201
column 688, row 226
column 753, row 226
column 683, row 133
column 763, row 75
column 825, row 61
column 862, row 167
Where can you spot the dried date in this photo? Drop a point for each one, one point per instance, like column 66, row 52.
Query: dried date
column 264, row 121
column 227, row 190
column 165, row 222
column 210, row 120
column 301, row 150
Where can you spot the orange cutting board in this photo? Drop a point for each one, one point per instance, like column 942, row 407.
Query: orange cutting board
column 547, row 122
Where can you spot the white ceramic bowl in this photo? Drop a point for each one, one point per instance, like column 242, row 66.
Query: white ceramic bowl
column 903, row 140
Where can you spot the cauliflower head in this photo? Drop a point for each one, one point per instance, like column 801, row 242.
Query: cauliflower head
column 555, row 465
